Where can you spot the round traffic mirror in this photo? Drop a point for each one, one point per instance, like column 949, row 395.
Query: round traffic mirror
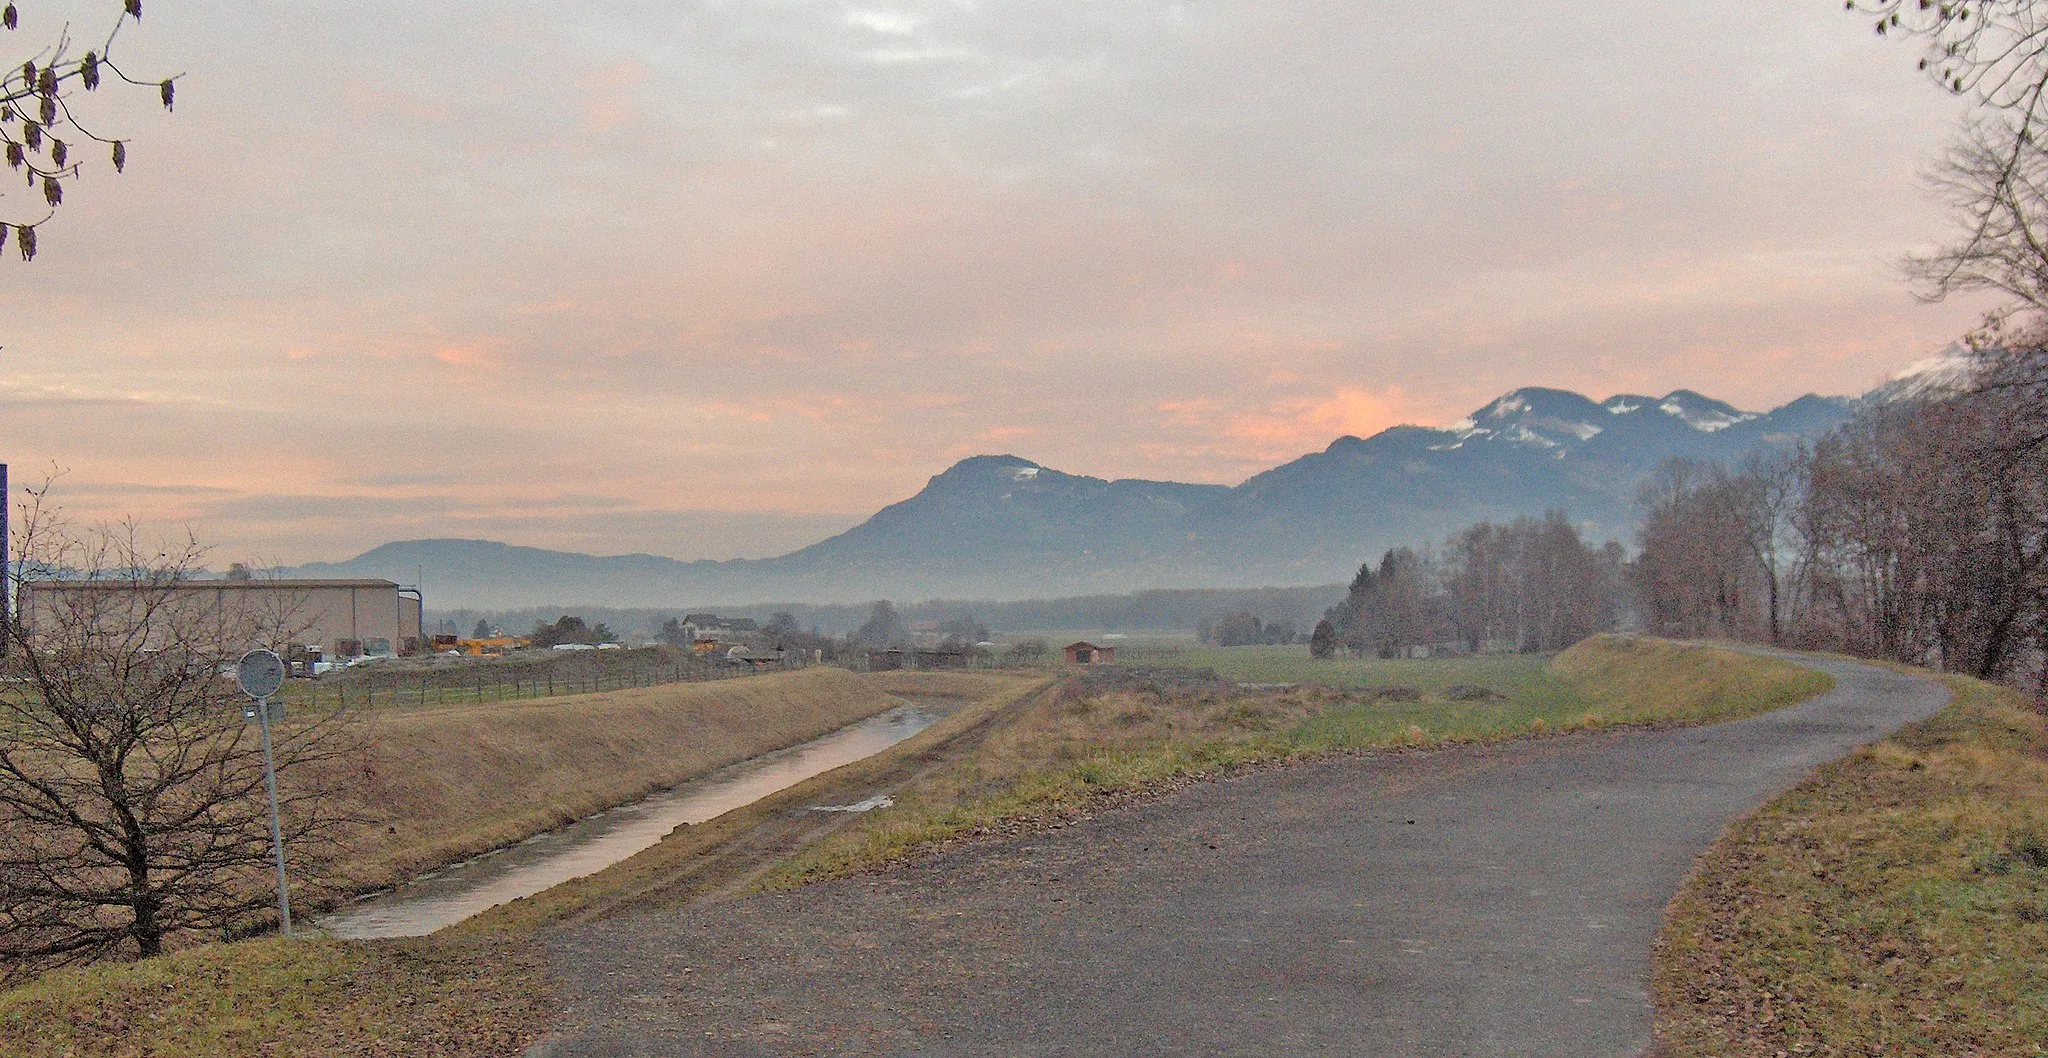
column 261, row 673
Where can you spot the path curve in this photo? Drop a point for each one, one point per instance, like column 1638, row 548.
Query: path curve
column 1474, row 901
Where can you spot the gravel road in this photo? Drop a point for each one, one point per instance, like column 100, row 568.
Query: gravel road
column 1469, row 902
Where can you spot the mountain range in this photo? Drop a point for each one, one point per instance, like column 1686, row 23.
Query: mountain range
column 1005, row 527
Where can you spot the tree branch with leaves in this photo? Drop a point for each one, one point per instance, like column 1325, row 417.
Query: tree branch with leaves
column 41, row 125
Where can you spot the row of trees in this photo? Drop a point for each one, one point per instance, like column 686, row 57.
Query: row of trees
column 1531, row 584
column 1241, row 628
column 1917, row 532
column 570, row 629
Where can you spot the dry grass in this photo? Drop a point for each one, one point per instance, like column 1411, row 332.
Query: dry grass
column 727, row 854
column 970, row 685
column 481, row 990
column 1063, row 758
column 449, row 783
column 1626, row 680
column 288, row 997
column 1895, row 904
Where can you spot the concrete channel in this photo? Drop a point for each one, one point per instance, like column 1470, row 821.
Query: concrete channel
column 442, row 898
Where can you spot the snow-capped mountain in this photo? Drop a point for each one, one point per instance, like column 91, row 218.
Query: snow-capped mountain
column 1560, row 421
column 1949, row 371
column 1007, row 527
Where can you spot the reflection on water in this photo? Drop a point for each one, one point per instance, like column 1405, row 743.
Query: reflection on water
column 589, row 845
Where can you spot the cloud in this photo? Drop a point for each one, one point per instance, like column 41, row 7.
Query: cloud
column 799, row 257
column 1218, row 429
column 472, row 356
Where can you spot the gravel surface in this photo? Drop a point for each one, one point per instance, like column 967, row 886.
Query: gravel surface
column 1472, row 901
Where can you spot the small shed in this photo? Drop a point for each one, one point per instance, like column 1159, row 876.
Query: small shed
column 1085, row 653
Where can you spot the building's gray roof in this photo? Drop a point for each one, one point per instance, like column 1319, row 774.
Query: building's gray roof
column 240, row 585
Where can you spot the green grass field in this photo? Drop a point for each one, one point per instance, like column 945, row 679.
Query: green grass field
column 1292, row 664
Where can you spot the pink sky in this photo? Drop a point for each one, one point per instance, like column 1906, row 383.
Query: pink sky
column 713, row 280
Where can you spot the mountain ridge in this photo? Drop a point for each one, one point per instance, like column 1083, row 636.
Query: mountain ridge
column 1006, row 527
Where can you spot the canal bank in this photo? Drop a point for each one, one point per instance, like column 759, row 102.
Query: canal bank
column 444, row 897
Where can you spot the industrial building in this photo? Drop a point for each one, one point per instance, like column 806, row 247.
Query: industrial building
column 337, row 619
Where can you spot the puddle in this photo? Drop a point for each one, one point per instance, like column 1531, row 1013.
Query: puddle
column 869, row 805
column 589, row 845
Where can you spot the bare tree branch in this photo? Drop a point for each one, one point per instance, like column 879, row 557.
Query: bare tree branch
column 132, row 801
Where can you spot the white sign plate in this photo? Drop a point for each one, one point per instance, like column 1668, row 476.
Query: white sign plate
column 261, row 673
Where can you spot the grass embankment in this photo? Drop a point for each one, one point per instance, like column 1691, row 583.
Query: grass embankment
column 1894, row 904
column 1065, row 756
column 728, row 854
column 480, row 990
column 452, row 782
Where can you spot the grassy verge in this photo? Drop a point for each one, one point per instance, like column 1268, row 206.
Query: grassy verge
column 1895, row 904
column 287, row 997
column 1063, row 758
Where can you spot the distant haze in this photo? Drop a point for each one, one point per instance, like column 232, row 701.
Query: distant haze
column 1006, row 528
column 718, row 280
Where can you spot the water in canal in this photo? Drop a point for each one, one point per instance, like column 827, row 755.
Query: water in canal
column 589, row 845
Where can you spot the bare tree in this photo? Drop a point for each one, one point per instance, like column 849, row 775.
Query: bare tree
column 1918, row 531
column 41, row 128
column 132, row 802
column 1994, row 179
column 1705, row 540
column 1995, row 51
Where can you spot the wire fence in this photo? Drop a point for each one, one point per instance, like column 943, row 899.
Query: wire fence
column 458, row 685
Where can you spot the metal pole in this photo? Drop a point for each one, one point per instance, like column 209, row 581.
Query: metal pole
column 284, row 894
column 7, row 577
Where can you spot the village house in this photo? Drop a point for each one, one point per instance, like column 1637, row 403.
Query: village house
column 1086, row 653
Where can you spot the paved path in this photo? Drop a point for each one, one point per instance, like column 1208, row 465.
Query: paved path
column 1466, row 902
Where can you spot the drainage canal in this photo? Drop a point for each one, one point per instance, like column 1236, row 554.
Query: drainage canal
column 448, row 896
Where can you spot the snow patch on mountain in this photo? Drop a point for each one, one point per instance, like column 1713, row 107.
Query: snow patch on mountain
column 1701, row 413
column 1947, row 372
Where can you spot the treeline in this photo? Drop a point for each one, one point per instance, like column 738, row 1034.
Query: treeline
column 1157, row 610
column 1532, row 584
column 1242, row 628
column 1915, row 532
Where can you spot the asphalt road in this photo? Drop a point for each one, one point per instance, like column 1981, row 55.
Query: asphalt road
column 1470, row 902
